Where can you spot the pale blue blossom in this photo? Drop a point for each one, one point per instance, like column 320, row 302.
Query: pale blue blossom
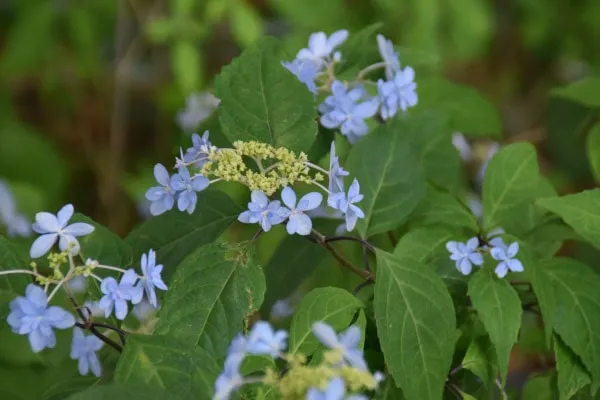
column 54, row 227
column 198, row 107
column 281, row 309
column 347, row 343
column 151, row 277
column 230, row 379
column 506, row 256
column 116, row 294
column 389, row 56
column 31, row 316
column 143, row 310
column 16, row 223
column 465, row 255
column 336, row 172
column 335, row 390
column 306, row 71
column 262, row 211
column 162, row 197
column 77, row 284
column 346, row 203
column 396, row 94
column 263, row 339
column 298, row 221
column 200, row 150
column 187, row 187
column 341, row 110
column 83, row 349
column 321, row 47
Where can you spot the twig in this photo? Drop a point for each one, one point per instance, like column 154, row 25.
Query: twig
column 345, row 263
column 121, row 332
column 351, row 238
column 361, row 286
column 257, row 234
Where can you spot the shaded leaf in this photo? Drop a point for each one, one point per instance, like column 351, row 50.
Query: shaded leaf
column 480, row 359
column 593, row 150
column 585, row 91
column 103, row 245
column 572, row 376
column 416, row 325
column 441, row 207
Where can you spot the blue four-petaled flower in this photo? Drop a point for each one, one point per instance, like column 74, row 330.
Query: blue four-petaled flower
column 320, row 47
column 54, row 227
column 151, row 277
column 187, row 187
column 162, row 197
column 346, row 203
column 198, row 153
column 262, row 211
column 465, row 255
column 263, row 339
column 83, row 349
column 398, row 93
column 298, row 221
column 31, row 316
column 389, row 56
column 116, row 294
column 506, row 256
column 347, row 343
column 306, row 71
column 336, row 172
column 230, row 379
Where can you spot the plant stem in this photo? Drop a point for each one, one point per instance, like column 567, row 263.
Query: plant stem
column 351, row 238
column 345, row 263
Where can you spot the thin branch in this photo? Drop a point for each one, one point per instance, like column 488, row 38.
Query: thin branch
column 121, row 332
column 351, row 238
column 361, row 286
column 345, row 263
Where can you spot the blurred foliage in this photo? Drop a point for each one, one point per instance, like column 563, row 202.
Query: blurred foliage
column 90, row 90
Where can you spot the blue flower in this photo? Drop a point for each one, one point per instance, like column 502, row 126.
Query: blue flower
column 264, row 212
column 77, row 284
column 186, row 187
column 339, row 95
column 262, row 339
column 198, row 107
column 346, row 343
column 54, row 227
column 31, row 316
column 84, row 350
column 91, row 309
column 116, row 294
column 506, row 257
column 230, row 379
column 336, row 172
column 320, row 46
column 143, row 310
column 389, row 56
column 298, row 221
column 399, row 93
column 465, row 254
column 16, row 223
column 306, row 71
column 346, row 204
column 238, row 345
column 151, row 277
column 344, row 112
column 281, row 309
column 162, row 197
column 335, row 390
column 198, row 153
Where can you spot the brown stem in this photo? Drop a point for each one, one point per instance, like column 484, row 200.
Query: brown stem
column 345, row 263
column 351, row 238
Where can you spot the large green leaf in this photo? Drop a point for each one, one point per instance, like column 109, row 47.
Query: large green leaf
column 507, row 184
column 214, row 289
column 472, row 114
column 572, row 376
column 176, row 234
column 103, row 245
column 441, row 207
column 480, row 359
column 593, row 150
column 167, row 363
column 581, row 211
column 391, row 177
column 576, row 309
column 421, row 243
column 334, row 306
column 499, row 308
column 294, row 260
column 14, row 284
column 543, row 288
column 585, row 91
column 416, row 325
column 261, row 100
column 124, row 392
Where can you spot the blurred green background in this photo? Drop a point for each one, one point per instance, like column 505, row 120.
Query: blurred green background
column 93, row 93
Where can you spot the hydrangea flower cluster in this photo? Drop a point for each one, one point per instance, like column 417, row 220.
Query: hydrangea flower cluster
column 350, row 103
column 276, row 168
column 465, row 255
column 16, row 223
column 32, row 314
column 343, row 367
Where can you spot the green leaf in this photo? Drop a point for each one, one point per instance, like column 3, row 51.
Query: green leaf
column 499, row 308
column 167, row 363
column 416, row 325
column 389, row 390
column 441, row 207
column 581, row 211
column 246, row 23
column 10, row 259
column 175, row 234
column 214, row 289
column 294, row 261
column 390, row 176
column 422, row 243
column 572, row 376
column 261, row 100
column 472, row 114
column 507, row 184
column 539, row 388
column 576, row 309
column 480, row 359
column 544, row 291
column 103, row 245
column 585, row 91
column 334, row 306
column 123, row 392
column 593, row 150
